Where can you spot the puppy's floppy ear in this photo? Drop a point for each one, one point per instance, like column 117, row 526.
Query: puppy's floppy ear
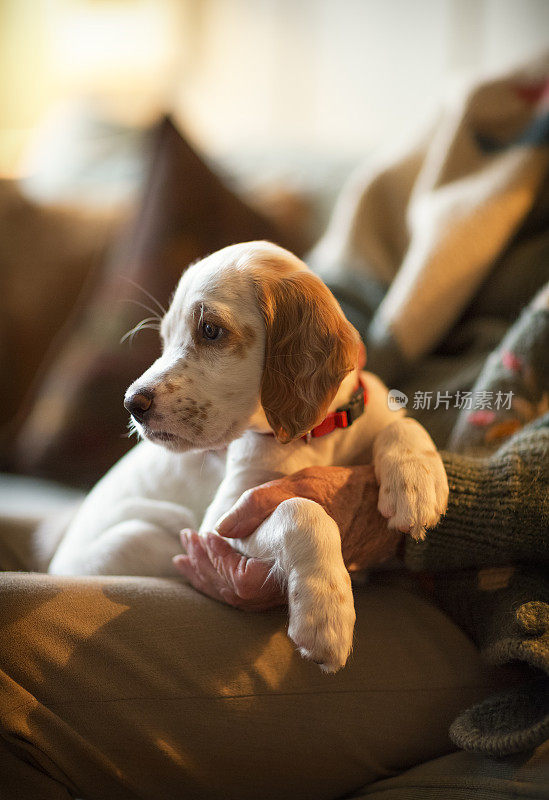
column 310, row 347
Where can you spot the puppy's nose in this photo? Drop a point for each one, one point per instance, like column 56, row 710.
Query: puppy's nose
column 139, row 404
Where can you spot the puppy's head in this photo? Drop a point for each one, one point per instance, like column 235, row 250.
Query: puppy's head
column 250, row 329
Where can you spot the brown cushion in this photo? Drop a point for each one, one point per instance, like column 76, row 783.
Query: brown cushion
column 462, row 776
column 46, row 254
column 77, row 427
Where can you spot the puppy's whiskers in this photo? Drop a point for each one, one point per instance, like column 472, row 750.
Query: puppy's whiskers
column 157, row 303
column 133, row 429
column 149, row 323
column 152, row 311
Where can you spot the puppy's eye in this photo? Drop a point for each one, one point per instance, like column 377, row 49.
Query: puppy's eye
column 211, row 331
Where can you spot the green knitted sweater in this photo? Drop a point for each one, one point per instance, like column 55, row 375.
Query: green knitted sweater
column 488, row 564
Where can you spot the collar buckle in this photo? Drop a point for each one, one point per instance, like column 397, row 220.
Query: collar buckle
column 355, row 407
column 343, row 417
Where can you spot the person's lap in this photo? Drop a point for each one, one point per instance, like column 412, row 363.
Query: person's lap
column 135, row 687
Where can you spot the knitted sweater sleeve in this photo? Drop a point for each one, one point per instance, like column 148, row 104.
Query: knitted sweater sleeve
column 498, row 510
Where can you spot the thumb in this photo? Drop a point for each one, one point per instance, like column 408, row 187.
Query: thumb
column 249, row 511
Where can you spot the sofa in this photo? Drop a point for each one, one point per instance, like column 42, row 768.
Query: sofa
column 75, row 283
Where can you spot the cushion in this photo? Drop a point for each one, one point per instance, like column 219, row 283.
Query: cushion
column 77, row 426
column 141, row 687
column 461, row 776
column 46, row 253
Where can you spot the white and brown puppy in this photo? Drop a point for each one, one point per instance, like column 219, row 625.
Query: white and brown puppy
column 256, row 352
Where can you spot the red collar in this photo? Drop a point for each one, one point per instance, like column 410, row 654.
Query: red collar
column 344, row 416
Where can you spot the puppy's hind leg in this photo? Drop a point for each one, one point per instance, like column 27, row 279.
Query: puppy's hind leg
column 132, row 547
column 141, row 539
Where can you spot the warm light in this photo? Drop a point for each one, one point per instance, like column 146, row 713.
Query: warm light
column 113, row 45
column 124, row 54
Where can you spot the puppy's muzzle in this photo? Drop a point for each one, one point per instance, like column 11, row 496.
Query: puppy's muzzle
column 139, row 404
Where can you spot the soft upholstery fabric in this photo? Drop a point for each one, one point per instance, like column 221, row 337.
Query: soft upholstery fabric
column 76, row 429
column 462, row 776
column 131, row 687
column 46, row 255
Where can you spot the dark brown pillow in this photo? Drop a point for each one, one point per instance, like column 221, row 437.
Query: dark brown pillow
column 77, row 426
column 46, row 255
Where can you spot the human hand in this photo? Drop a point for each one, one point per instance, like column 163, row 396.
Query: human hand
column 216, row 569
column 348, row 494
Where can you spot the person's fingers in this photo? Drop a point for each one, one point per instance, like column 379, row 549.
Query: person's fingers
column 184, row 566
column 250, row 577
column 224, row 558
column 218, row 547
column 201, row 560
column 184, row 537
column 213, row 567
column 187, row 568
column 250, row 510
column 198, row 569
column 255, row 580
column 246, row 583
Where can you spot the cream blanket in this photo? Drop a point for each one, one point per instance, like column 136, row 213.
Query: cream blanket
column 429, row 222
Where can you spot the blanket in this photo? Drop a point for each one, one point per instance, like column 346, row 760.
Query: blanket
column 433, row 252
column 423, row 228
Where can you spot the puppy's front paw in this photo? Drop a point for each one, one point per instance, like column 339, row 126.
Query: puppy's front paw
column 413, row 492
column 322, row 617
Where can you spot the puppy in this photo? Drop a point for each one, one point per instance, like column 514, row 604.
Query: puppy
column 258, row 378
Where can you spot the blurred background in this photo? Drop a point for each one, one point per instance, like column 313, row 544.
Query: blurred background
column 282, row 98
column 306, row 79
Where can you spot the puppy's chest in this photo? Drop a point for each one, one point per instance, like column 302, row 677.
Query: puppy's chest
column 264, row 454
